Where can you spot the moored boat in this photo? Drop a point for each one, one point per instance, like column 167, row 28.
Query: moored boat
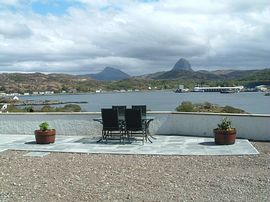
column 228, row 91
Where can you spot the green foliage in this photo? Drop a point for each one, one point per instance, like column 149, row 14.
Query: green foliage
column 47, row 108
column 207, row 105
column 12, row 108
column 230, row 109
column 69, row 108
column 263, row 75
column 185, row 107
column 17, row 77
column 225, row 124
column 29, row 109
column 44, row 126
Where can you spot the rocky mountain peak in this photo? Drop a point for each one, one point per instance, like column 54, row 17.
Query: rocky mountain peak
column 182, row 64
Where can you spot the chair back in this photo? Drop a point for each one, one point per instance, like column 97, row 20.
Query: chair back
column 121, row 110
column 141, row 107
column 133, row 118
column 110, row 119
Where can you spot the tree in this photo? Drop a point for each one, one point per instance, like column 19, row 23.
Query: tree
column 185, row 107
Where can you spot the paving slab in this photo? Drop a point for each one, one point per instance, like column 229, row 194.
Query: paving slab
column 162, row 145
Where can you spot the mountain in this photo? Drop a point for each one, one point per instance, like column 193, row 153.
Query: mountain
column 182, row 64
column 109, row 74
column 38, row 82
column 182, row 70
column 204, row 75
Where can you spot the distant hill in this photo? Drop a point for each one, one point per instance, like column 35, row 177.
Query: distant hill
column 204, row 75
column 31, row 82
column 114, row 79
column 109, row 74
column 184, row 74
column 183, row 70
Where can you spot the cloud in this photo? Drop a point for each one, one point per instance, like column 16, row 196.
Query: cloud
column 15, row 30
column 9, row 2
column 136, row 36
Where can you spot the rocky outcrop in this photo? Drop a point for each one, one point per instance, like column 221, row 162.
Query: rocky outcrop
column 182, row 64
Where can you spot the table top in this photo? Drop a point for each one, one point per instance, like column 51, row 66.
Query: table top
column 122, row 118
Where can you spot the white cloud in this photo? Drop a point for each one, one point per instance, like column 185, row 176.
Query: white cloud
column 15, row 30
column 136, row 37
column 9, row 2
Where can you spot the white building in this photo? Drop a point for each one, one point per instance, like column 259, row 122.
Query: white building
column 262, row 88
column 218, row 89
column 15, row 98
column 49, row 92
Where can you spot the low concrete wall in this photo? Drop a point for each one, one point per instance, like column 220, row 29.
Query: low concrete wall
column 251, row 126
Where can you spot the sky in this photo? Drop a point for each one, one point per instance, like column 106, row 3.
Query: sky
column 136, row 36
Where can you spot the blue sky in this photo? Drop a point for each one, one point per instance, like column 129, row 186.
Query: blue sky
column 55, row 7
column 136, row 36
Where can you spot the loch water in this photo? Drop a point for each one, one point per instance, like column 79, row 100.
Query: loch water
column 252, row 102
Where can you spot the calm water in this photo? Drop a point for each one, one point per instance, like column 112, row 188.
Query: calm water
column 165, row 100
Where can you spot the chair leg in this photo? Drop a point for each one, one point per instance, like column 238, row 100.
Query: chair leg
column 124, row 135
column 128, row 135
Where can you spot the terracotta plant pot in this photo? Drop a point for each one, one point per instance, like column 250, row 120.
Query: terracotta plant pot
column 225, row 137
column 45, row 136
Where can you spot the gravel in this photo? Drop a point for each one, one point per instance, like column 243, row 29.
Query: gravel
column 103, row 177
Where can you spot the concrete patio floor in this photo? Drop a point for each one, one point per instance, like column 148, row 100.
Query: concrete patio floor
column 162, row 145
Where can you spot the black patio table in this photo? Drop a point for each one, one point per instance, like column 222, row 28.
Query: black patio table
column 146, row 119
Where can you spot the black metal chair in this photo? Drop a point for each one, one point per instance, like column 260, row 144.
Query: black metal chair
column 134, row 125
column 143, row 111
column 121, row 110
column 111, row 128
column 141, row 107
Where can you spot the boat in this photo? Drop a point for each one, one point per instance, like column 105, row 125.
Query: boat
column 267, row 94
column 178, row 90
column 229, row 91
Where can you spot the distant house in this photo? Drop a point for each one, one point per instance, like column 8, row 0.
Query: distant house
column 73, row 90
column 262, row 88
column 49, row 92
column 4, row 108
column 15, row 98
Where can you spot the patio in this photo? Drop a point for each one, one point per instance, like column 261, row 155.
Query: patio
column 163, row 145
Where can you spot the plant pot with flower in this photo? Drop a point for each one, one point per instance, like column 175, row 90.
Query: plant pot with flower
column 225, row 134
column 45, row 135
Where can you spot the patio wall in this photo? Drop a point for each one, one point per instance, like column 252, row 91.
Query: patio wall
column 251, row 126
